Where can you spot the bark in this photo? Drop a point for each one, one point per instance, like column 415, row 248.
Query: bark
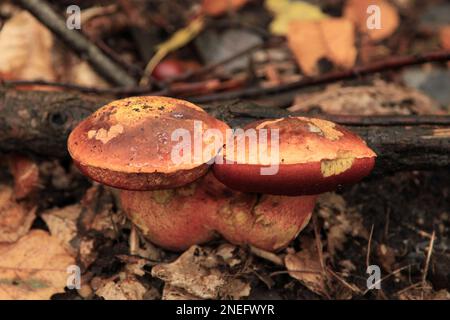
column 38, row 123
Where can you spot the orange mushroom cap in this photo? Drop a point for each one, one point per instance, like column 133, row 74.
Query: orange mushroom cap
column 128, row 144
column 314, row 156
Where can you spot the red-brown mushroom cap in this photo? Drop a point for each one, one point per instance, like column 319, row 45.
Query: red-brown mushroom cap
column 314, row 156
column 128, row 143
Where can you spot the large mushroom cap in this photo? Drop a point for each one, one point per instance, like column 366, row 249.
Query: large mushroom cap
column 128, row 143
column 314, row 156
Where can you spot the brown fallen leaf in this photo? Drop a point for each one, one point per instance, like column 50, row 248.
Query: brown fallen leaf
column 218, row 7
column 23, row 37
column 380, row 98
column 174, row 293
column 340, row 221
column 26, row 175
column 333, row 39
column 127, row 287
column 305, row 266
column 15, row 218
column 35, row 267
column 62, row 223
column 356, row 11
column 134, row 265
column 197, row 272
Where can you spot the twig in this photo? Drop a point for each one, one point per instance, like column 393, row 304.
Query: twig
column 386, row 277
column 412, row 286
column 369, row 245
column 427, row 262
column 272, row 257
column 103, row 64
column 388, row 64
column 253, row 92
column 211, row 67
column 352, row 287
column 275, row 273
column 318, row 243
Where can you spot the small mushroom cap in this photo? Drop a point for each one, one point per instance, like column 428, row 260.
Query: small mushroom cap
column 314, row 156
column 128, row 143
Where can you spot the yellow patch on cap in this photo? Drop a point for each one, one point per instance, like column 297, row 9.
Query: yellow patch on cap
column 335, row 166
column 327, row 128
column 104, row 135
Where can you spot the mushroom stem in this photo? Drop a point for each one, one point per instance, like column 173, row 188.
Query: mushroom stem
column 176, row 219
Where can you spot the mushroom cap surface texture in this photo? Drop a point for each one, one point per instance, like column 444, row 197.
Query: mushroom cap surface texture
column 128, row 143
column 179, row 218
column 314, row 156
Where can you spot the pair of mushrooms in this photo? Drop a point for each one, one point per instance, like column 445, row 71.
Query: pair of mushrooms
column 128, row 144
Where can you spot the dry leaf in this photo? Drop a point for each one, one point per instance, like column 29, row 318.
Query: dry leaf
column 174, row 293
column 128, row 288
column 23, row 37
column 286, row 11
column 134, row 265
column 86, row 252
column 356, row 11
column 62, row 223
column 197, row 272
column 35, row 267
column 81, row 73
column 15, row 219
column 26, row 175
column 219, row 7
column 340, row 221
column 305, row 266
column 380, row 98
column 227, row 252
column 333, row 39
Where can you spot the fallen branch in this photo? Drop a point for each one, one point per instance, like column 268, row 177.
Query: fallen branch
column 389, row 64
column 38, row 123
column 74, row 39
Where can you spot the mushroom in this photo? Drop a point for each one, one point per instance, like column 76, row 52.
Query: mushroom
column 129, row 143
column 314, row 156
column 310, row 156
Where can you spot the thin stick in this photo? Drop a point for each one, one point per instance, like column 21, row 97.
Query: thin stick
column 272, row 257
column 386, row 277
column 73, row 38
column 369, row 245
column 388, row 64
column 318, row 243
column 275, row 273
column 427, row 262
column 396, row 62
column 352, row 287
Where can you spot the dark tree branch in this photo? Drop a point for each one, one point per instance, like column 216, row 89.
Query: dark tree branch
column 38, row 123
column 74, row 39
